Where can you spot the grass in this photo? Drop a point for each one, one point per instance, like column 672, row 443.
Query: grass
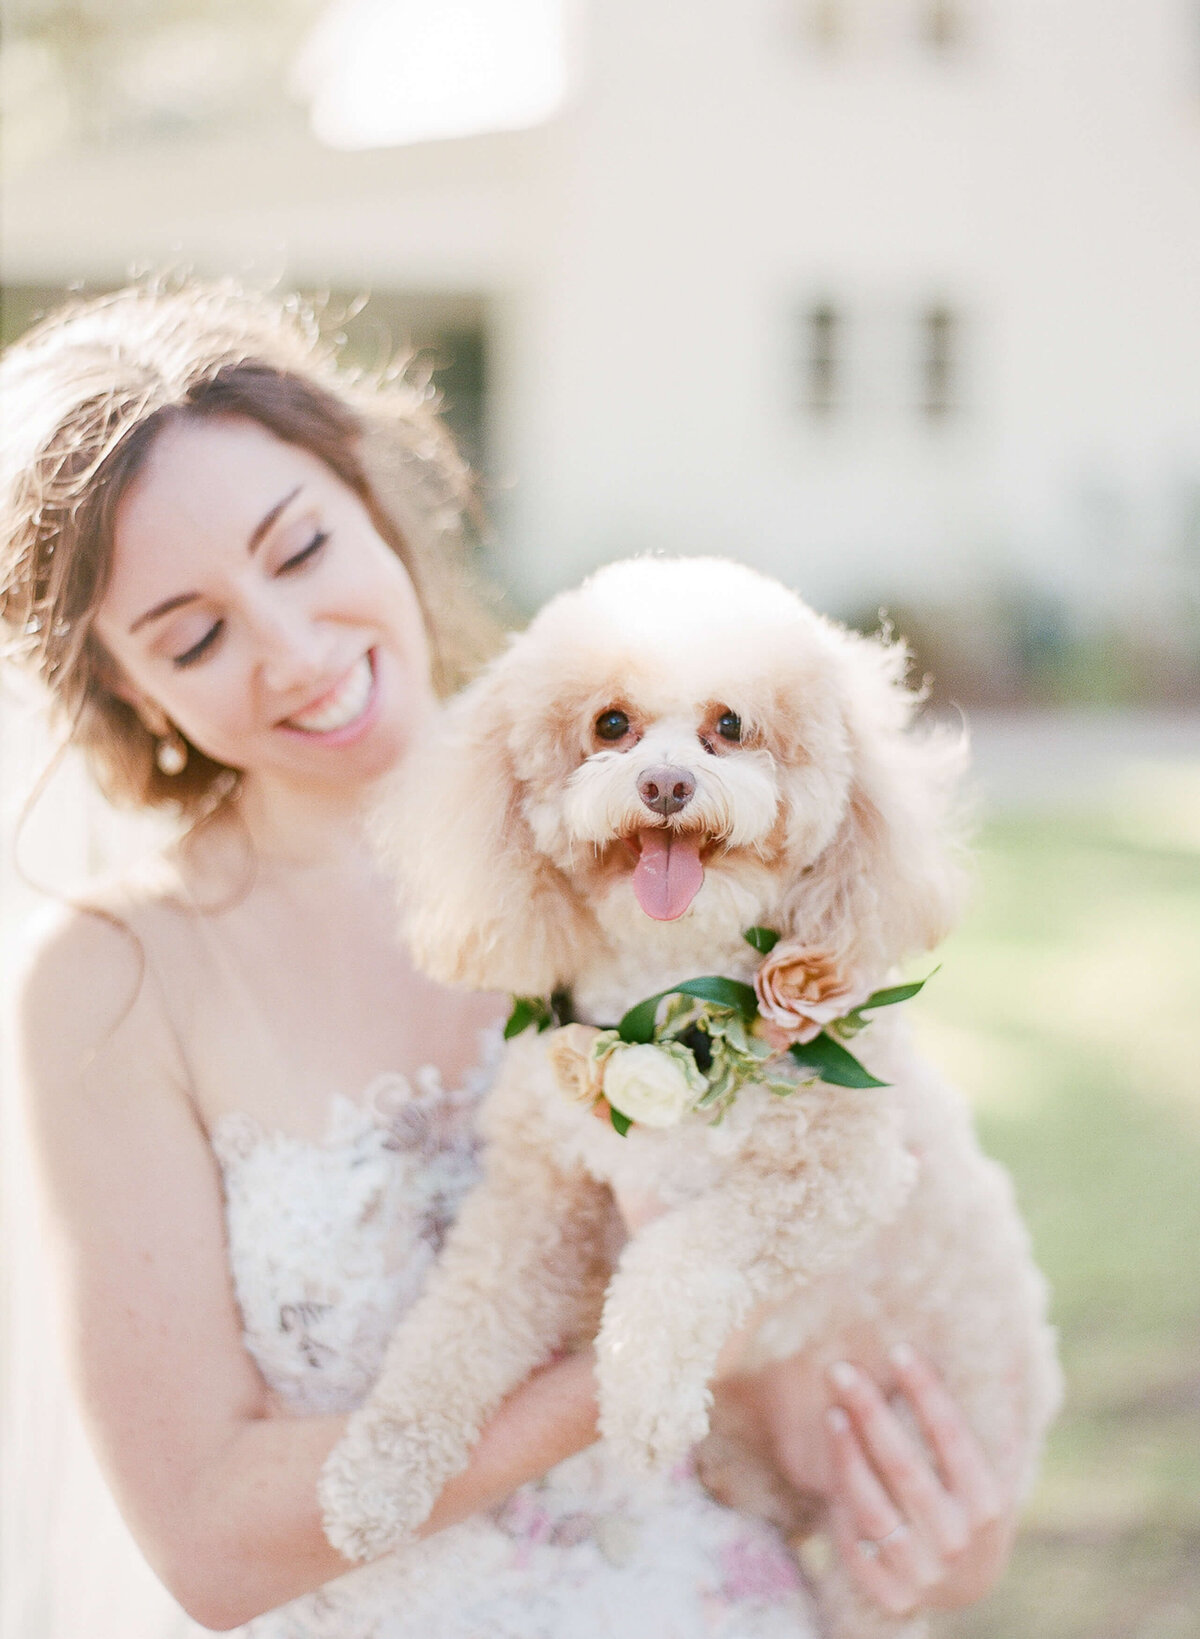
column 1068, row 1007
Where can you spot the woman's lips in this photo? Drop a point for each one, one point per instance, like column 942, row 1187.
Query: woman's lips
column 342, row 706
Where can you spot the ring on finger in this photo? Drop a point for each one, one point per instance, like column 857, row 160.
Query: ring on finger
column 869, row 1547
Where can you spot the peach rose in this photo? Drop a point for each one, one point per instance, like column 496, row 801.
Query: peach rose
column 800, row 990
column 578, row 1070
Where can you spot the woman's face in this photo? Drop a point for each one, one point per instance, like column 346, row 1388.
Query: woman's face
column 253, row 603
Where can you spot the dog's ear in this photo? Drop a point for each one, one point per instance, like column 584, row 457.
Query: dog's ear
column 890, row 881
column 480, row 904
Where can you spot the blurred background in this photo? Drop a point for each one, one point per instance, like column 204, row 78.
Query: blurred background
column 895, row 299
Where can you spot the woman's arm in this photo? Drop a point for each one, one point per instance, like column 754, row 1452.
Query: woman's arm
column 219, row 1491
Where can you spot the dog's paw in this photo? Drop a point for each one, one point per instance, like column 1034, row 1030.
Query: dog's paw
column 650, row 1418
column 378, row 1485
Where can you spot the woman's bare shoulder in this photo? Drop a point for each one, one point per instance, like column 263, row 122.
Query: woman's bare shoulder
column 81, row 973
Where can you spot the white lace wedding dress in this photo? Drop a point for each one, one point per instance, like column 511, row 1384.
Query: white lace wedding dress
column 329, row 1243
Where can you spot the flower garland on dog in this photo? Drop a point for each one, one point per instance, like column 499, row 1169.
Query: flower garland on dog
column 692, row 1048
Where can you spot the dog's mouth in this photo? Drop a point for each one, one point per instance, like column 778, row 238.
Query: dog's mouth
column 669, row 872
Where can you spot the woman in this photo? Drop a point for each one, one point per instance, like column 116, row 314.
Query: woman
column 235, row 572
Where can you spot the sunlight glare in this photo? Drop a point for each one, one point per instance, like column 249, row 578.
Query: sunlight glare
column 381, row 73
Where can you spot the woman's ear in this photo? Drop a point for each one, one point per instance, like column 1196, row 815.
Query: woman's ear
column 480, row 904
column 152, row 718
column 890, row 882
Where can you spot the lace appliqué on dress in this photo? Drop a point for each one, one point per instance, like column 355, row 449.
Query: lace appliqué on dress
column 342, row 1231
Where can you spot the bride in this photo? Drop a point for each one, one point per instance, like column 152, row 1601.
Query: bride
column 235, row 572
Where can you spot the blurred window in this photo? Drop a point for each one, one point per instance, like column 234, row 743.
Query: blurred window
column 887, row 27
column 824, row 330
column 826, row 21
column 941, row 23
column 940, row 348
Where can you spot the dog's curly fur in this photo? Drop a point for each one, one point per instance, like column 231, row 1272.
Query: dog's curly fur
column 830, row 819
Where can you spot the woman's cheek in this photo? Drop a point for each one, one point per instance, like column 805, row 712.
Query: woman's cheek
column 218, row 716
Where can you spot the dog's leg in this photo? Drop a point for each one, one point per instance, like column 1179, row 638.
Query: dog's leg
column 820, row 1175
column 507, row 1291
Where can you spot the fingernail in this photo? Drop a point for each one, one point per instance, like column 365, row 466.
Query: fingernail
column 843, row 1374
column 902, row 1355
column 837, row 1419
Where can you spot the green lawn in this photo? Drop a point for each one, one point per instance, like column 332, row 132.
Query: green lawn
column 1069, row 1009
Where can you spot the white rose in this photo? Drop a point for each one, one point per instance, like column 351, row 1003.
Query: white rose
column 652, row 1085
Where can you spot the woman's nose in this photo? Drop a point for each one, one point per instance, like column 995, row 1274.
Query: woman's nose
column 293, row 648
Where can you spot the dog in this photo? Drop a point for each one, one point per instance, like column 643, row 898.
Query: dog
column 676, row 767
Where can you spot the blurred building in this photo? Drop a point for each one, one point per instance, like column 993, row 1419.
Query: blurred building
column 895, row 298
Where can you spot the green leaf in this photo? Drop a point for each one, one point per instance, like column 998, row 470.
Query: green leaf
column 527, row 1010
column 833, row 1063
column 638, row 1023
column 621, row 1122
column 885, row 998
column 897, row 993
column 519, row 1019
column 764, row 940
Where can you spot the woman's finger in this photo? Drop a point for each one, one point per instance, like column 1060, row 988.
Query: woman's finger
column 882, row 1534
column 903, row 1469
column 967, row 1473
column 891, row 1591
column 857, row 1483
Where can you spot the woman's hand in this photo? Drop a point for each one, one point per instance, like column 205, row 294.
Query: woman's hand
column 914, row 1533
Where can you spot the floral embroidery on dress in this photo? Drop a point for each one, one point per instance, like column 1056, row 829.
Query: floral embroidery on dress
column 329, row 1242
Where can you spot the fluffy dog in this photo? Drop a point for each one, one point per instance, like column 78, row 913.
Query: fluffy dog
column 675, row 753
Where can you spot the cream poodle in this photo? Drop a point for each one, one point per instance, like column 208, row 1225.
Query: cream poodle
column 676, row 753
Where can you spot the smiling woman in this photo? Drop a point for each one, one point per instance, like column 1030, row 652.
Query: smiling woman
column 127, row 413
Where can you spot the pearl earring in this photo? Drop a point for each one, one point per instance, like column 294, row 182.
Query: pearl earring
column 170, row 753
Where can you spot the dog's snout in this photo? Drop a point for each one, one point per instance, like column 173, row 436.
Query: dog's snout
column 666, row 789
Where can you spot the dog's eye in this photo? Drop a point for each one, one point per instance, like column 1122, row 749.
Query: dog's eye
column 729, row 726
column 612, row 725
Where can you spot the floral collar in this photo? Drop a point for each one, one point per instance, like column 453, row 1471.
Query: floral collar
column 693, row 1047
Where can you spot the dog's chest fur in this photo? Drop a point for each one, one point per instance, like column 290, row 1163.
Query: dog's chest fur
column 645, row 958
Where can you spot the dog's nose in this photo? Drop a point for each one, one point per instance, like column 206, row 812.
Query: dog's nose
column 666, row 789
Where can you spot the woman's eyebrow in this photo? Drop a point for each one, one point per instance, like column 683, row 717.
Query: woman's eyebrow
column 264, row 523
column 257, row 534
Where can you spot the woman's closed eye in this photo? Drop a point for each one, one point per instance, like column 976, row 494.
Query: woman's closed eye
column 305, row 554
column 198, row 650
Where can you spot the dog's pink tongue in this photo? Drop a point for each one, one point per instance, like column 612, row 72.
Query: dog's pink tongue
column 668, row 874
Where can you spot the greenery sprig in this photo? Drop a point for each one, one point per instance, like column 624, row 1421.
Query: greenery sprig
column 694, row 1046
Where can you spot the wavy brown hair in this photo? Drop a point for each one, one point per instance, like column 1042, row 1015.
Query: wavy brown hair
column 86, row 393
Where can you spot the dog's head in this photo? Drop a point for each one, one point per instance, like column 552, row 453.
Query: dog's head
column 677, row 741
